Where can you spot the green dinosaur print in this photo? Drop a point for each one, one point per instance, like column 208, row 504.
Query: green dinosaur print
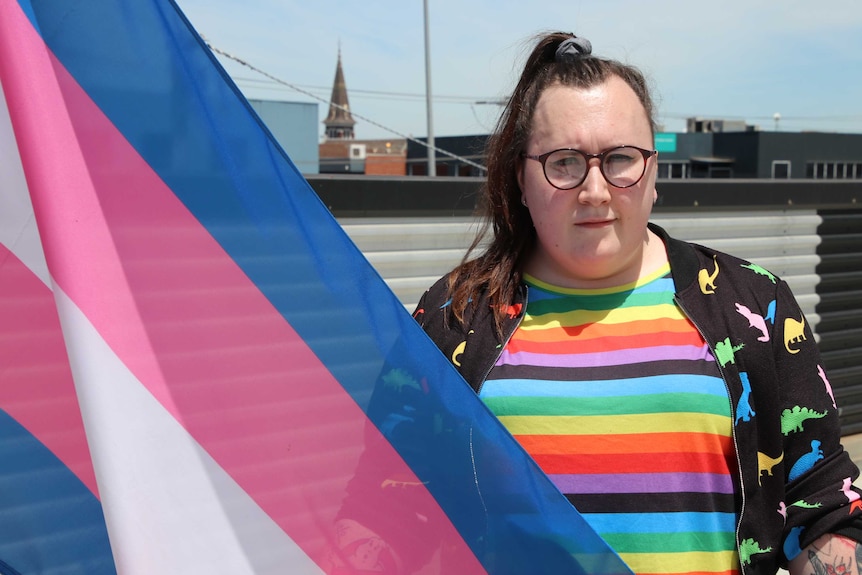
column 750, row 547
column 793, row 419
column 724, row 351
column 761, row 271
column 398, row 379
column 805, row 505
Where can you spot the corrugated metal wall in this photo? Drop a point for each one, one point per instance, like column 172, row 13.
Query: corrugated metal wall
column 840, row 309
column 411, row 253
column 818, row 253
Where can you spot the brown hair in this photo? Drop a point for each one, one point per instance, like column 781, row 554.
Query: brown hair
column 506, row 220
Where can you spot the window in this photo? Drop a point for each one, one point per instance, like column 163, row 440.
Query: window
column 780, row 169
column 673, row 170
column 834, row 170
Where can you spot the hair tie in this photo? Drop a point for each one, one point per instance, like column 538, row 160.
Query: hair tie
column 572, row 49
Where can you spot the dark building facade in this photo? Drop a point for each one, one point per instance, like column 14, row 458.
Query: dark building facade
column 741, row 154
column 816, row 155
column 466, row 151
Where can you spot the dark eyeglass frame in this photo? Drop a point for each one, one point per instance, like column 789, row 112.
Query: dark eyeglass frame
column 542, row 158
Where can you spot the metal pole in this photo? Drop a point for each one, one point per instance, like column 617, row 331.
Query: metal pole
column 432, row 161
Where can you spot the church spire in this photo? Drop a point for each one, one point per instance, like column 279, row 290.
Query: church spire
column 339, row 123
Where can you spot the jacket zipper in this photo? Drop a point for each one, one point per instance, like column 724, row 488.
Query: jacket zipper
column 506, row 341
column 741, row 484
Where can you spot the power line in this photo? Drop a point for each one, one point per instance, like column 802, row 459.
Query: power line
column 381, row 94
column 242, row 62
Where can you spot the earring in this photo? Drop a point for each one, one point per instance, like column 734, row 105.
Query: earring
column 524, row 201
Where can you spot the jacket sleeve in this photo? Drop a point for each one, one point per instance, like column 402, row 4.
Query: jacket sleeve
column 819, row 497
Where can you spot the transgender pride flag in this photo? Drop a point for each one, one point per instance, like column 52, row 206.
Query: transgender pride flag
column 199, row 372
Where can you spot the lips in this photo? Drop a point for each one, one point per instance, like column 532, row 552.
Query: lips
column 595, row 223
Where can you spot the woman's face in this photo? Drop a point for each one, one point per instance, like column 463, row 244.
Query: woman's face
column 595, row 234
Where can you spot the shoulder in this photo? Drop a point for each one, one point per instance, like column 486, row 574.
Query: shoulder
column 433, row 298
column 698, row 267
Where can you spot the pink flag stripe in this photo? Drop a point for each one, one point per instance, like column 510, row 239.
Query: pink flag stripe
column 36, row 386
column 176, row 309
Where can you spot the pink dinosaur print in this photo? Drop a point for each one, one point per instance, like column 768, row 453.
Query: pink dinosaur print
column 849, row 493
column 826, row 383
column 754, row 320
column 782, row 510
column 853, row 497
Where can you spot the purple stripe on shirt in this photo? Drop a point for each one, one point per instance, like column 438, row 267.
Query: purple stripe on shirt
column 644, row 483
column 607, row 358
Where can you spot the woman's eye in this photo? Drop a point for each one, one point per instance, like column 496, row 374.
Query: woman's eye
column 566, row 162
column 619, row 159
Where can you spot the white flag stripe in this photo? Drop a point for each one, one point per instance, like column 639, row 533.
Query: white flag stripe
column 169, row 507
column 18, row 230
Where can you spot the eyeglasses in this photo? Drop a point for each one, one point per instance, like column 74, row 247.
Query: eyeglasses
column 622, row 167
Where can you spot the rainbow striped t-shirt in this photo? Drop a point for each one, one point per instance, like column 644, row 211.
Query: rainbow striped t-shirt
column 617, row 397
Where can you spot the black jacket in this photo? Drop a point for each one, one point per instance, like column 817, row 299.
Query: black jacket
column 793, row 472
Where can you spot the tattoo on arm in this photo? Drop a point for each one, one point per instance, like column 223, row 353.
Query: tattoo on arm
column 831, row 555
column 816, row 563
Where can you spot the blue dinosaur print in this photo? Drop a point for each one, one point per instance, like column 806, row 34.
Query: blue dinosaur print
column 743, row 408
column 770, row 312
column 807, row 461
column 791, row 543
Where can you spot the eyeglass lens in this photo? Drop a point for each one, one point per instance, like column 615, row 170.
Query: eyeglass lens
column 622, row 167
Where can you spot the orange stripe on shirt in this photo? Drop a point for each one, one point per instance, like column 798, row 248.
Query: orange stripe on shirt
column 615, row 444
column 605, row 344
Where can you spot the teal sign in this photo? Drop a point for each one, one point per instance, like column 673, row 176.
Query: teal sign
column 665, row 142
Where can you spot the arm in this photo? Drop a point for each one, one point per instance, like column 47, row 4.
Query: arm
column 829, row 555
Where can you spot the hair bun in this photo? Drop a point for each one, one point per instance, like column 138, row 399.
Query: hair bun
column 572, row 49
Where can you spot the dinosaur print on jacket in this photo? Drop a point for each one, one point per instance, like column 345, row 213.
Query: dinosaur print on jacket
column 707, row 280
column 853, row 498
column 766, row 463
column 802, row 504
column 398, row 379
column 743, row 408
column 724, row 351
column 770, row 312
column 760, row 271
column 794, row 332
column 459, row 350
column 791, row 546
column 822, row 375
column 749, row 547
column 793, row 419
column 807, row 461
column 754, row 320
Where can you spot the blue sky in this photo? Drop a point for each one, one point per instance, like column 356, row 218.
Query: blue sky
column 737, row 59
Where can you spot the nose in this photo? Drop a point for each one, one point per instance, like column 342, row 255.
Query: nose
column 595, row 189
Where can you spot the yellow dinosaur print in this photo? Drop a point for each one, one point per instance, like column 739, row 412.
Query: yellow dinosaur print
column 459, row 349
column 766, row 463
column 794, row 332
column 707, row 280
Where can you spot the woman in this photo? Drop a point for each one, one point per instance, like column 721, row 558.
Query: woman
column 673, row 393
